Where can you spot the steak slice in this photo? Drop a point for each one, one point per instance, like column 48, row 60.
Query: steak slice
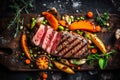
column 63, row 44
column 72, row 46
column 39, row 34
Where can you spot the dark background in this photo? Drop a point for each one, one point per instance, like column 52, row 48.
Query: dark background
column 63, row 6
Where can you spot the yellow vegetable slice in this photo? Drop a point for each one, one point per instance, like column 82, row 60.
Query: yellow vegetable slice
column 63, row 67
column 97, row 42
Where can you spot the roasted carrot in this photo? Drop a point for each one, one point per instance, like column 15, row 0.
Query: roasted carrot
column 94, row 50
column 79, row 68
column 44, row 75
column 62, row 22
column 90, row 14
column 25, row 46
column 98, row 28
column 27, row 61
column 51, row 19
column 84, row 25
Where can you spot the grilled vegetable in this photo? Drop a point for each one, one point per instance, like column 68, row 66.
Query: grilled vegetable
column 65, row 61
column 25, row 46
column 84, row 25
column 51, row 19
column 78, row 61
column 33, row 23
column 43, row 62
column 97, row 42
column 63, row 67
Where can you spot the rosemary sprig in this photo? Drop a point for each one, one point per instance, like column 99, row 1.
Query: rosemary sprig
column 18, row 10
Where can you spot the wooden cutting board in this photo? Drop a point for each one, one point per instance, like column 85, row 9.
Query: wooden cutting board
column 10, row 49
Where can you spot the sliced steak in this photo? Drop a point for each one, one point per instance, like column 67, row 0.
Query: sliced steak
column 70, row 45
column 39, row 34
column 47, row 37
column 62, row 44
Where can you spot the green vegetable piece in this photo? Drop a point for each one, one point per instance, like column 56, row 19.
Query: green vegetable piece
column 113, row 51
column 72, row 20
column 33, row 23
column 79, row 32
column 33, row 19
column 51, row 65
column 104, row 23
column 102, row 63
column 91, row 46
column 35, row 55
column 78, row 18
column 82, row 18
column 44, row 22
column 61, row 28
column 87, row 36
column 31, row 65
column 78, row 61
column 23, row 54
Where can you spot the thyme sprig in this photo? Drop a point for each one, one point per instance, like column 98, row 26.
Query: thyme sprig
column 19, row 7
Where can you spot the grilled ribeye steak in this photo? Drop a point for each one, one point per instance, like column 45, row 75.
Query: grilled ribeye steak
column 62, row 44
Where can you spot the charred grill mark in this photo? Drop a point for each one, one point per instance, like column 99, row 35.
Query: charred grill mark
column 75, row 48
column 62, row 44
column 85, row 53
column 81, row 51
column 71, row 43
column 56, row 42
column 64, row 37
column 72, row 51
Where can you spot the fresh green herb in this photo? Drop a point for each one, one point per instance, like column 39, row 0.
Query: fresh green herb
column 102, row 63
column 19, row 7
column 102, row 59
column 103, row 19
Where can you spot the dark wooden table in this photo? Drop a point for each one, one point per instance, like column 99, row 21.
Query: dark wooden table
column 84, row 6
